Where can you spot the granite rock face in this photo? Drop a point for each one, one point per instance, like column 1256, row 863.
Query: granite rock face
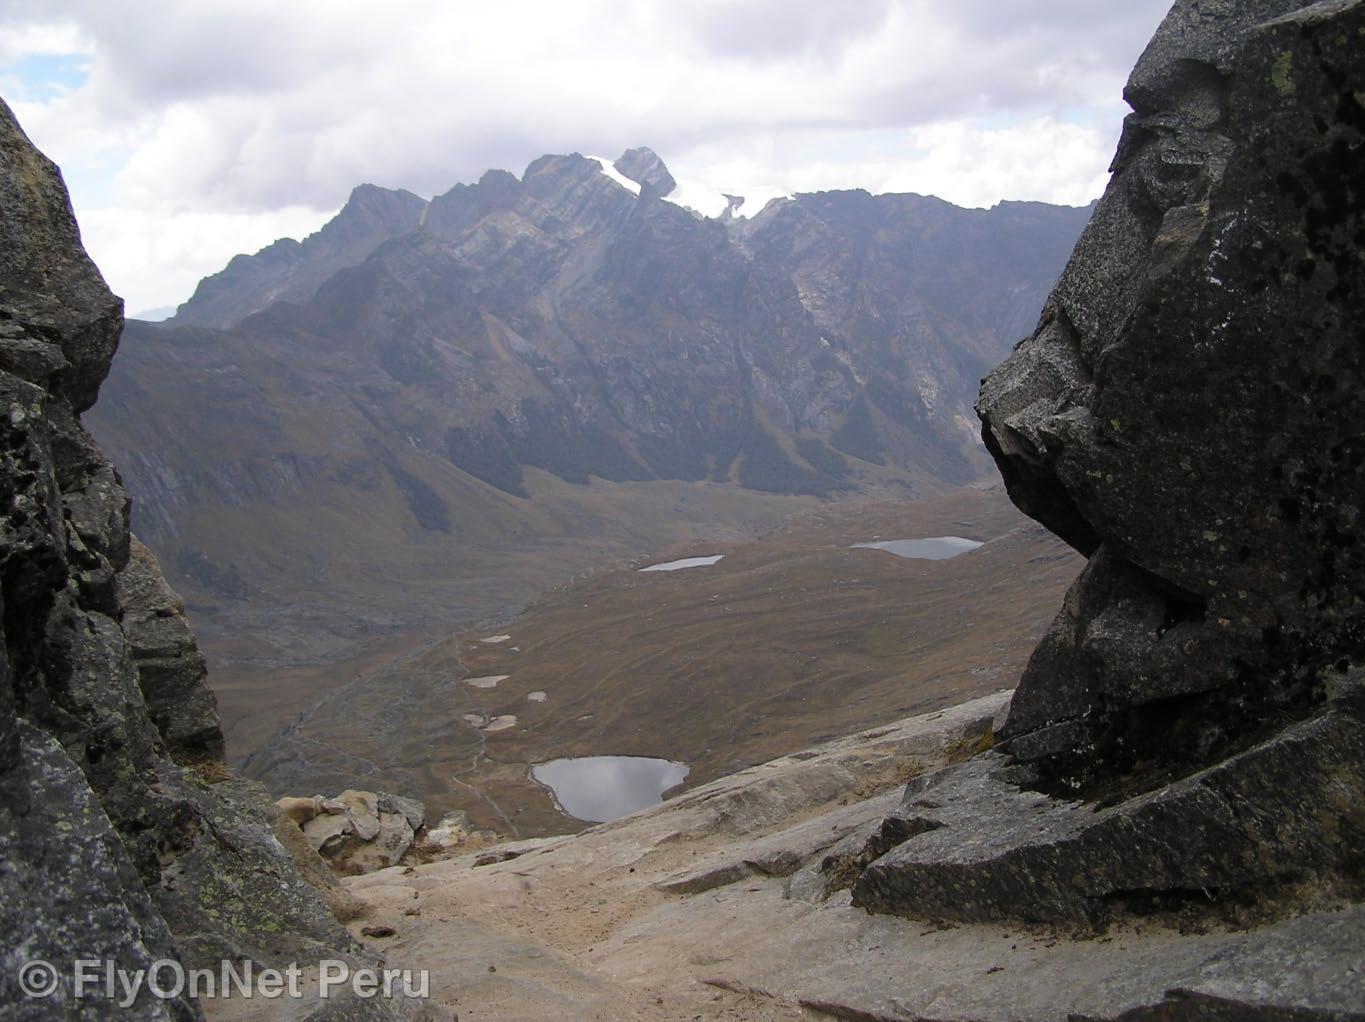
column 1188, row 734
column 1188, row 413
column 119, row 836
column 1266, row 819
column 170, row 667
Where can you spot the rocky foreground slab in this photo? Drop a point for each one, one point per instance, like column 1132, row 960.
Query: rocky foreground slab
column 725, row 903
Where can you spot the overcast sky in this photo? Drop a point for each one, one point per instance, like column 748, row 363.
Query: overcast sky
column 191, row 131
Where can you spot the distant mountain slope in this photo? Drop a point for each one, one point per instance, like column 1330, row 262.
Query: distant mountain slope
column 566, row 322
column 420, row 383
column 288, row 269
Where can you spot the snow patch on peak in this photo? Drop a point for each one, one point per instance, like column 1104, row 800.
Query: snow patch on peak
column 712, row 202
column 759, row 200
column 699, row 198
column 610, row 171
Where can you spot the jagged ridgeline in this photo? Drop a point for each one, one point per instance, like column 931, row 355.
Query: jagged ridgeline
column 436, row 365
column 578, row 321
column 427, row 413
column 122, row 837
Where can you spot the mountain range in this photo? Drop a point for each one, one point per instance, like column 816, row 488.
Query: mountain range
column 429, row 411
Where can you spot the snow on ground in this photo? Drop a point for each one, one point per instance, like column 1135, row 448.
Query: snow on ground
column 698, row 197
column 711, row 202
column 757, row 200
column 686, row 562
column 631, row 186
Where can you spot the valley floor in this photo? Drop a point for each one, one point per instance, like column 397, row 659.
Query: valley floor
column 788, row 640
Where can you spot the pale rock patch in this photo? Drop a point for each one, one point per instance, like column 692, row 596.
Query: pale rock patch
column 358, row 831
column 487, row 681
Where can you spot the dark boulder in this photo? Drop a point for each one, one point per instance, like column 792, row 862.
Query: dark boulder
column 1188, row 414
column 121, row 836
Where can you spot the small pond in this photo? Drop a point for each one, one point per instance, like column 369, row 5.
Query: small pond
column 601, row 788
column 686, row 562
column 936, row 548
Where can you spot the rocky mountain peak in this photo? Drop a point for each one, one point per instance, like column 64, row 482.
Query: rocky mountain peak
column 571, row 183
column 290, row 270
column 643, row 166
column 389, row 209
column 568, row 321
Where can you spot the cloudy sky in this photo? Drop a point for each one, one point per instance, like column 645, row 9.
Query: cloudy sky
column 193, row 130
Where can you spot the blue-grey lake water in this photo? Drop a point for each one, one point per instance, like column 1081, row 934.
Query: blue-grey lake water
column 602, row 788
column 936, row 548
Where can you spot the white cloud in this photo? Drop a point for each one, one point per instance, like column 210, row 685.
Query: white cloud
column 23, row 38
column 1040, row 158
column 225, row 122
column 140, row 245
column 970, row 163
